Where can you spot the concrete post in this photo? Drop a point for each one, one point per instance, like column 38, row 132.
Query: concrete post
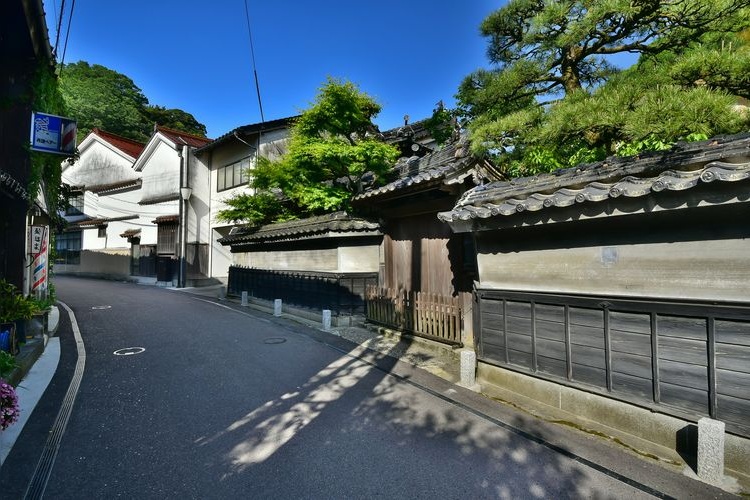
column 277, row 307
column 468, row 368
column 710, row 450
column 326, row 319
column 244, row 299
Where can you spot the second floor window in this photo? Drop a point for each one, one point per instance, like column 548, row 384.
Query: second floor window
column 233, row 175
column 75, row 204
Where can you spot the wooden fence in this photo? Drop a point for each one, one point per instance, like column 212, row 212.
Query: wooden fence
column 684, row 358
column 424, row 314
column 341, row 293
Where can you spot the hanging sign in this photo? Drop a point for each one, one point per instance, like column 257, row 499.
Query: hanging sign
column 53, row 134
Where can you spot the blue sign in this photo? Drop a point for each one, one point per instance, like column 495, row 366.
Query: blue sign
column 53, row 134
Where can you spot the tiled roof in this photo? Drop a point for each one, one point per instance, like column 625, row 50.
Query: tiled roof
column 339, row 222
column 97, row 221
column 160, row 199
column 250, row 129
column 128, row 146
column 416, row 129
column 164, row 219
column 180, row 137
column 114, row 186
column 452, row 159
column 683, row 167
column 129, row 233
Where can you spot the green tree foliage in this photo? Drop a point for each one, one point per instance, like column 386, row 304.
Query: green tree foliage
column 97, row 96
column 175, row 119
column 555, row 100
column 332, row 149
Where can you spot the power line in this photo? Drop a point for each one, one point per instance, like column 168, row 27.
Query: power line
column 67, row 33
column 59, row 24
column 252, row 55
column 54, row 9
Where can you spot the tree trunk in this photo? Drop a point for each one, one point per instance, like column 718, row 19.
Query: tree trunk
column 569, row 69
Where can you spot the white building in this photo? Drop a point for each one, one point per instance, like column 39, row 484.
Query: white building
column 227, row 161
column 138, row 209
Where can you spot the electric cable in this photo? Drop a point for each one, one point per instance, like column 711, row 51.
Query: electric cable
column 59, row 24
column 252, row 55
column 67, row 33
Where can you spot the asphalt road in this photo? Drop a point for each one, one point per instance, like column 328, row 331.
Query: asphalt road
column 184, row 398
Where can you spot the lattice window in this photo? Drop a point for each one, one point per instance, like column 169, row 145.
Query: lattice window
column 166, row 239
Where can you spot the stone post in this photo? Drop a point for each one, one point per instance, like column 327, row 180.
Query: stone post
column 244, row 299
column 277, row 307
column 468, row 368
column 710, row 450
column 326, row 319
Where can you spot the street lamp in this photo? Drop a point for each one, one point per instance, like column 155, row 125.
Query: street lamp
column 185, row 193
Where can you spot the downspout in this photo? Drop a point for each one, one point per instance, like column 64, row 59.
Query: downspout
column 210, row 217
column 184, row 160
column 181, row 217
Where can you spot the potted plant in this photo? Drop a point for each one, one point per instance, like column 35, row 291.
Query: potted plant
column 15, row 310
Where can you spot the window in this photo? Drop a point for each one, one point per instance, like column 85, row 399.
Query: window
column 233, row 175
column 68, row 248
column 75, row 204
column 166, row 238
column 102, row 231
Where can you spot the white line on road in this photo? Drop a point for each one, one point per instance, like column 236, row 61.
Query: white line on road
column 41, row 475
column 234, row 310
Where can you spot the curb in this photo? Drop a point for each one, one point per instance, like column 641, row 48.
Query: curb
column 33, row 348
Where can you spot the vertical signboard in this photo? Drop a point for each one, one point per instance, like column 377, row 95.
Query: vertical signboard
column 39, row 249
column 53, row 134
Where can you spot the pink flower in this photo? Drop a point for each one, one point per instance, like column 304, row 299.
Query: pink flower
column 8, row 405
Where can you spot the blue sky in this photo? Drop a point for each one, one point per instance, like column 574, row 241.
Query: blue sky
column 195, row 54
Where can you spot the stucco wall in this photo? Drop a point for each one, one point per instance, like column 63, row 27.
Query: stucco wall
column 161, row 173
column 346, row 258
column 98, row 164
column 221, row 256
column 700, row 254
column 110, row 264
column 359, row 259
column 198, row 211
column 273, row 143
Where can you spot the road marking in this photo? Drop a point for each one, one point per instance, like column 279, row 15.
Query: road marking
column 129, row 351
column 43, row 470
column 101, row 307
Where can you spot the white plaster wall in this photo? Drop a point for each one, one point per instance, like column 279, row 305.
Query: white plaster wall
column 273, row 145
column 161, row 173
column 708, row 270
column 99, row 263
column 221, row 256
column 99, row 164
column 359, row 259
column 291, row 260
column 198, row 212
column 345, row 258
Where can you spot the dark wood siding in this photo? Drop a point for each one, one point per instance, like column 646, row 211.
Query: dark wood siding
column 421, row 254
column 686, row 359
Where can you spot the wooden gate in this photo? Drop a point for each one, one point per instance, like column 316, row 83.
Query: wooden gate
column 424, row 314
